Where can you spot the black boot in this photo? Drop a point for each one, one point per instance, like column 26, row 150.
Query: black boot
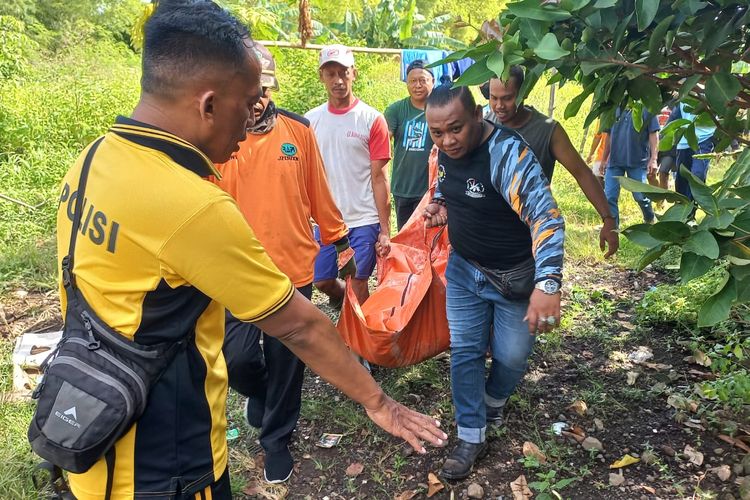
column 461, row 460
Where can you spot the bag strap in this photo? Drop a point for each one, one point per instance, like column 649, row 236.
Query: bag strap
column 54, row 480
column 109, row 458
column 67, row 262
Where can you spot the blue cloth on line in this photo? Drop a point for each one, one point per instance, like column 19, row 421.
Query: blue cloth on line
column 452, row 70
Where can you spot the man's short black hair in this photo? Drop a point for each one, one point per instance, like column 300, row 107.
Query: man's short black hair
column 184, row 39
column 516, row 72
column 446, row 93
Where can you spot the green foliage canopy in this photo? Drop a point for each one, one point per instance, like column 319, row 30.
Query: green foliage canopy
column 642, row 54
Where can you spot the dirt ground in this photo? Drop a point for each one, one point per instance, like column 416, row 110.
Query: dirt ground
column 686, row 447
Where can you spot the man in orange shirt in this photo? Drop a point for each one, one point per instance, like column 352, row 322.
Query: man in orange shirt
column 278, row 180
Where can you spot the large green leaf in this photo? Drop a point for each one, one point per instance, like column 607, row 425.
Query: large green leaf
column 654, row 192
column 651, row 255
column 740, row 272
column 575, row 104
column 717, row 307
column 603, row 4
column 721, row 220
column 647, row 91
column 692, row 139
column 637, row 115
column 477, row 74
column 531, row 9
column 693, row 266
column 678, row 212
column 702, row 243
column 671, row 231
column 688, row 85
column 496, row 63
column 656, row 42
column 533, row 31
column 639, row 235
column 702, row 194
column 720, row 89
column 645, row 11
column 574, row 5
column 550, row 49
column 532, row 76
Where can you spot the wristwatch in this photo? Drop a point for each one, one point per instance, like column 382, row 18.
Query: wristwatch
column 548, row 286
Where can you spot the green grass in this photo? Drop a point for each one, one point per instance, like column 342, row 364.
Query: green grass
column 16, row 460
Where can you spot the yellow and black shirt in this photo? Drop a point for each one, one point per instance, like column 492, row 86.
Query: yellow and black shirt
column 152, row 232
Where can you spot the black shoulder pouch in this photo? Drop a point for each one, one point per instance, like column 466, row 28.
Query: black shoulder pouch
column 513, row 284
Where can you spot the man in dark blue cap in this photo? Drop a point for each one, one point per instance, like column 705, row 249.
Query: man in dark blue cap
column 411, row 141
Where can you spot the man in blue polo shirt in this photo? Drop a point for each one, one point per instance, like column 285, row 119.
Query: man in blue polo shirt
column 630, row 153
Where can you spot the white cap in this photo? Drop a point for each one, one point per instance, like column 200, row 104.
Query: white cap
column 336, row 53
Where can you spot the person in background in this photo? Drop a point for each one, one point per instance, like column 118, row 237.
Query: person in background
column 354, row 141
column 631, row 153
column 550, row 143
column 595, row 158
column 279, row 182
column 665, row 159
column 505, row 268
column 686, row 155
column 164, row 242
column 411, row 140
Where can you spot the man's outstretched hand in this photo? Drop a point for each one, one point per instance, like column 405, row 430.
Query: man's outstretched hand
column 409, row 425
column 609, row 238
column 435, row 215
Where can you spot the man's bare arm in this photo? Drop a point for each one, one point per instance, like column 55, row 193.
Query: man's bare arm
column 310, row 335
column 565, row 153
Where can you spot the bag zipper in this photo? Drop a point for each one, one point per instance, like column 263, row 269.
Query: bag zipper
column 125, row 344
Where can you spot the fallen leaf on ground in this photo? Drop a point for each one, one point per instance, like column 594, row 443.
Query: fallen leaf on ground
column 723, row 472
column 693, row 425
column 616, row 479
column 532, row 450
column 649, row 489
column 579, row 406
column 573, row 436
column 657, row 366
column 678, row 402
column 520, row 489
column 252, row 489
column 624, row 462
column 433, row 484
column 577, row 429
column 627, row 325
column 632, row 377
column 701, row 374
column 695, row 456
column 406, row 495
column 641, row 355
column 701, row 358
column 354, row 469
column 735, row 442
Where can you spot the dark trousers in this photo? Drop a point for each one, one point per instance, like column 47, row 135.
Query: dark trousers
column 404, row 208
column 269, row 375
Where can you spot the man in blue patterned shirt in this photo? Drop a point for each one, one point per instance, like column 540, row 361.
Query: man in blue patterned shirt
column 505, row 269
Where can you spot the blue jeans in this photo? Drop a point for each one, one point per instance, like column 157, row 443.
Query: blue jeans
column 473, row 306
column 612, row 191
column 698, row 168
